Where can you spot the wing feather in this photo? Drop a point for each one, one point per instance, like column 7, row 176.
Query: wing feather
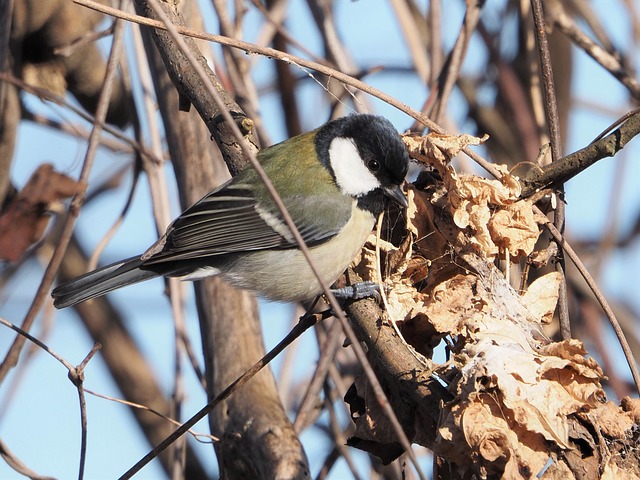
column 230, row 220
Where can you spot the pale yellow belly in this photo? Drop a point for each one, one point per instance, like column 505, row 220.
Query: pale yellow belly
column 285, row 275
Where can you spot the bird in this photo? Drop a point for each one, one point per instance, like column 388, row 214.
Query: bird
column 334, row 181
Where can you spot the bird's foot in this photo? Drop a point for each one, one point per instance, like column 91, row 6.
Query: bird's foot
column 358, row 291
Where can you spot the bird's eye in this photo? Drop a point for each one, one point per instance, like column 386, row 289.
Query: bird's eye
column 373, row 165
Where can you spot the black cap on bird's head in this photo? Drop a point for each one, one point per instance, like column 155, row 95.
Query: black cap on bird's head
column 366, row 157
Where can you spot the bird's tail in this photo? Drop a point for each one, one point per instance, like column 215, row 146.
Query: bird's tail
column 100, row 281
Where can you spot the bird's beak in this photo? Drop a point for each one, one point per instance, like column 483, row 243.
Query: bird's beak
column 396, row 194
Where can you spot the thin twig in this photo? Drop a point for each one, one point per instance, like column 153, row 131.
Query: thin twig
column 15, row 463
column 591, row 317
column 435, row 32
column 74, row 130
column 553, row 122
column 77, row 378
column 334, row 48
column 286, row 81
column 607, row 61
column 275, row 16
column 336, row 53
column 86, row 39
column 92, row 263
column 415, row 44
column 196, row 435
column 175, row 290
column 576, row 162
column 534, row 78
column 251, row 48
column 338, row 437
column 75, row 374
column 238, row 67
column 37, row 342
column 160, row 197
column 628, row 354
column 451, row 68
column 44, row 94
column 585, row 11
column 329, row 461
column 289, row 365
column 305, row 323
column 314, row 386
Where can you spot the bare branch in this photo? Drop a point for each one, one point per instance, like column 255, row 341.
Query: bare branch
column 553, row 123
column 567, row 167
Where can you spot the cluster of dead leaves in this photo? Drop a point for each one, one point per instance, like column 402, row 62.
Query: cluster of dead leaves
column 517, row 394
column 489, row 212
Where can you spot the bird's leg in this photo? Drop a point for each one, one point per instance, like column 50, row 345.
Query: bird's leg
column 358, row 291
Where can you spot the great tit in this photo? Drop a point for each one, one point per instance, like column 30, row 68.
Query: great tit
column 334, row 181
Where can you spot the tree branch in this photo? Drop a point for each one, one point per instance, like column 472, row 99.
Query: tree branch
column 569, row 166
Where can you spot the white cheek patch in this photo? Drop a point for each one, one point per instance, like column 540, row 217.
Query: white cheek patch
column 352, row 175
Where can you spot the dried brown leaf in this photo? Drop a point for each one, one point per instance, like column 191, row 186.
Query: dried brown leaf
column 488, row 208
column 515, row 401
column 403, row 300
column 542, row 296
column 499, row 447
column 611, row 471
column 612, row 420
column 436, row 149
column 541, row 258
column 513, row 228
column 453, row 303
column 24, row 220
column 632, row 405
column 529, row 388
column 370, row 419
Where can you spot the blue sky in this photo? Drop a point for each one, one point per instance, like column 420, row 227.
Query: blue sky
column 41, row 424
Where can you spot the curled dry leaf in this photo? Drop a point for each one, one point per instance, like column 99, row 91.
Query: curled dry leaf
column 24, row 219
column 403, row 300
column 541, row 296
column 437, row 149
column 611, row 471
column 496, row 445
column 366, row 263
column 514, row 228
column 453, row 304
column 632, row 405
column 541, row 258
column 373, row 431
column 497, row 220
column 611, row 421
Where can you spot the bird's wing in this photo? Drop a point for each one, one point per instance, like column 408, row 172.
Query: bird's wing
column 230, row 220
